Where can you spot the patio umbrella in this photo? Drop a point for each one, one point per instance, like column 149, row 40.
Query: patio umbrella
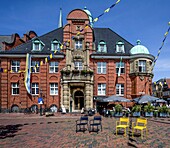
column 115, row 98
column 168, row 99
column 145, row 99
column 161, row 101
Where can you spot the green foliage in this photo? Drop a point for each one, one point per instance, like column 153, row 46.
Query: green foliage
column 65, row 72
column 148, row 108
column 118, row 108
column 163, row 109
column 136, row 108
column 83, row 72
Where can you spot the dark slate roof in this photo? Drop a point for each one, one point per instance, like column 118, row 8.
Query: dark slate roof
column 110, row 37
column 105, row 34
column 4, row 38
column 46, row 39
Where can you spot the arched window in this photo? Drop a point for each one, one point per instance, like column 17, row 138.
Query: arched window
column 37, row 45
column 120, row 47
column 102, row 47
column 55, row 44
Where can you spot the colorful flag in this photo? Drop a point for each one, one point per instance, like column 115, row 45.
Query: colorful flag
column 28, row 73
column 119, row 72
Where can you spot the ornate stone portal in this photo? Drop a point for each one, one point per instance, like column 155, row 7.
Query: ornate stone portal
column 77, row 76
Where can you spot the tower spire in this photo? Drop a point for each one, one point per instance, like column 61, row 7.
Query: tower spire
column 60, row 22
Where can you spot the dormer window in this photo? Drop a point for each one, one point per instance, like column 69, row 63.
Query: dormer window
column 55, row 45
column 78, row 44
column 38, row 45
column 120, row 47
column 102, row 47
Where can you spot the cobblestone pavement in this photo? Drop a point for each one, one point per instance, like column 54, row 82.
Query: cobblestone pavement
column 27, row 131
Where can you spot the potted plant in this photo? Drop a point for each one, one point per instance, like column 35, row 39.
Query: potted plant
column 85, row 72
column 163, row 111
column 67, row 72
column 148, row 109
column 136, row 110
column 118, row 110
column 75, row 71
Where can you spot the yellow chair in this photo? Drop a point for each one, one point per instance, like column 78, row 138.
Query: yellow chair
column 141, row 124
column 122, row 123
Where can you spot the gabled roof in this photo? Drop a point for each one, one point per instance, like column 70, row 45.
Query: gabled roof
column 46, row 39
column 4, row 38
column 111, row 38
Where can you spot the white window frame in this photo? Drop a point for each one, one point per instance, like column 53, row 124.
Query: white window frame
column 120, row 89
column 55, row 45
column 15, row 88
column 78, row 44
column 15, row 66
column 53, row 67
column 120, row 47
column 35, row 89
column 142, row 65
column 53, row 88
column 37, row 45
column 102, row 47
column 35, row 69
column 101, row 89
column 121, row 66
column 78, row 65
column 101, row 67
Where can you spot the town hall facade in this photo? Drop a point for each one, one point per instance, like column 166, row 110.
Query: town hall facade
column 73, row 66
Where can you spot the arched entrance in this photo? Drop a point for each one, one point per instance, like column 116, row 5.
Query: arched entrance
column 78, row 100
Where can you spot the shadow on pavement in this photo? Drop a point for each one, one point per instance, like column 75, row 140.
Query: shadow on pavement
column 9, row 130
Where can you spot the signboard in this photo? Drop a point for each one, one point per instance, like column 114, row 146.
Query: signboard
column 40, row 100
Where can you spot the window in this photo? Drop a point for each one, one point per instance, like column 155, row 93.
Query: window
column 38, row 45
column 53, row 67
column 142, row 66
column 101, row 89
column 55, row 45
column 15, row 88
column 102, row 47
column 35, row 89
column 121, row 66
column 78, row 65
column 120, row 89
column 53, row 89
column 120, row 47
column 101, row 67
column 15, row 66
column 35, row 66
column 78, row 44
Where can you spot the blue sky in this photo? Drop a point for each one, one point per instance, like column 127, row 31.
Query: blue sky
column 146, row 20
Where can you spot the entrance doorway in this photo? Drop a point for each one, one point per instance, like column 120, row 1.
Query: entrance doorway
column 78, row 100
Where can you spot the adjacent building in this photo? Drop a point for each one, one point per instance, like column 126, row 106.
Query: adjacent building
column 73, row 66
column 161, row 88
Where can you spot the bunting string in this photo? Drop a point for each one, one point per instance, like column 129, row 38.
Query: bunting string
column 159, row 51
column 65, row 43
column 106, row 11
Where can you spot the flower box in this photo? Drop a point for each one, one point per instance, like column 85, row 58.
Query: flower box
column 136, row 114
column 148, row 114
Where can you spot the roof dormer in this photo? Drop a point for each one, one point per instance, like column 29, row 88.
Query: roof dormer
column 38, row 45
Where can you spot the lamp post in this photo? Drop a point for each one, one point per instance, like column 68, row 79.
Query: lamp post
column 40, row 102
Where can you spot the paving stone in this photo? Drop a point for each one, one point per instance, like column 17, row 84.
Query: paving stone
column 59, row 131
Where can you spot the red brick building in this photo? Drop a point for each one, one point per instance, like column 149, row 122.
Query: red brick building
column 74, row 66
